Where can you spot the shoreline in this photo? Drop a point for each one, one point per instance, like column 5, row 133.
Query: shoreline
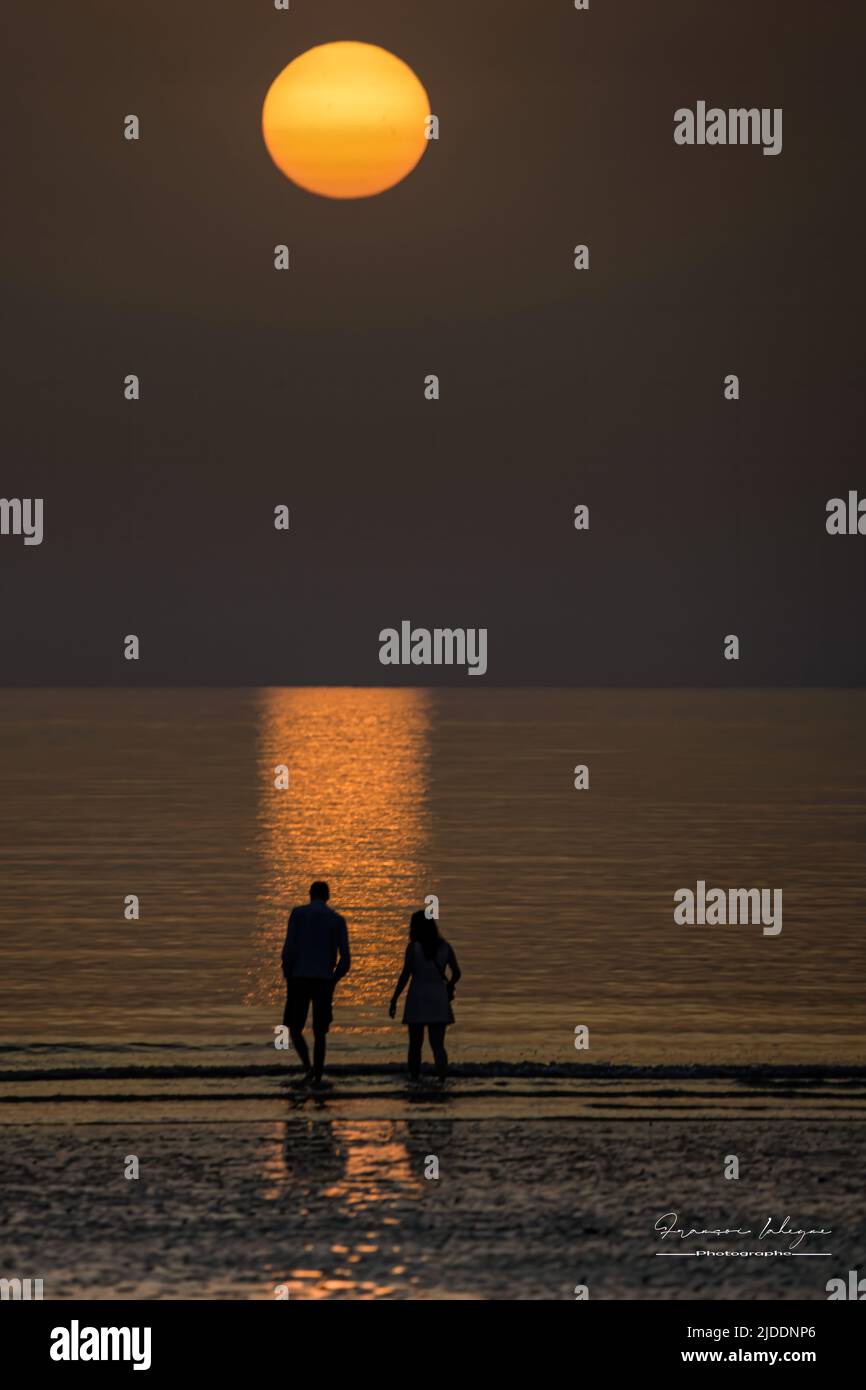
column 185, row 1093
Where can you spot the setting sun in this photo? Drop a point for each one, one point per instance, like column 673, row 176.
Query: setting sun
column 346, row 120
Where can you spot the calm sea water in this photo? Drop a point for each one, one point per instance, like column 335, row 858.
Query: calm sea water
column 559, row 903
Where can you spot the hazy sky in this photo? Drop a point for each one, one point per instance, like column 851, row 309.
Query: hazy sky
column 558, row 387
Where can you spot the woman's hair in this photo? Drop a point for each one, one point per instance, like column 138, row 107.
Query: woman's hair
column 424, row 929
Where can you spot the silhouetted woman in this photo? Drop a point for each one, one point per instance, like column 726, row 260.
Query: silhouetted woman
column 428, row 1003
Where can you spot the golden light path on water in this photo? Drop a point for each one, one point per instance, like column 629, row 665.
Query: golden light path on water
column 354, row 813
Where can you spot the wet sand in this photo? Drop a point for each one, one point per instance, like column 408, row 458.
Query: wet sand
column 334, row 1205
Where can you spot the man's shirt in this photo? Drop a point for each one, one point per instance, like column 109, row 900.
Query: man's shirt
column 316, row 937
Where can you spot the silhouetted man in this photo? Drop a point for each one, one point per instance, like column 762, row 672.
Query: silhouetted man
column 315, row 957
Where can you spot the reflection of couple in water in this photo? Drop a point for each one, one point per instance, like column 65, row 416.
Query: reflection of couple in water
column 316, row 955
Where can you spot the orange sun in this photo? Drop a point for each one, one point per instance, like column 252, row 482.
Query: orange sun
column 346, row 120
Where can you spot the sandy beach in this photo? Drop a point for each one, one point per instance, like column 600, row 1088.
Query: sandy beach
column 332, row 1206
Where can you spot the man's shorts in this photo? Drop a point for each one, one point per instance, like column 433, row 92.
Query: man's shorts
column 302, row 992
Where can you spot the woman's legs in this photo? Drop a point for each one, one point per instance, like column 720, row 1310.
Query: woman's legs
column 437, row 1042
column 416, row 1039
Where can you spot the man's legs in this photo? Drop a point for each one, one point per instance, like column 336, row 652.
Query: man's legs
column 416, row 1039
column 319, row 1044
column 322, row 1014
column 437, row 1042
column 300, row 1042
column 297, row 1004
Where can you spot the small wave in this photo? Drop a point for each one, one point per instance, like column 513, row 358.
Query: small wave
column 748, row 1075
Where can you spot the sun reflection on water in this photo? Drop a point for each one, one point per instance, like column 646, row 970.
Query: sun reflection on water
column 354, row 813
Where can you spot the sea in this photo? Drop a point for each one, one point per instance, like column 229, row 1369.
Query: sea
column 604, row 1060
